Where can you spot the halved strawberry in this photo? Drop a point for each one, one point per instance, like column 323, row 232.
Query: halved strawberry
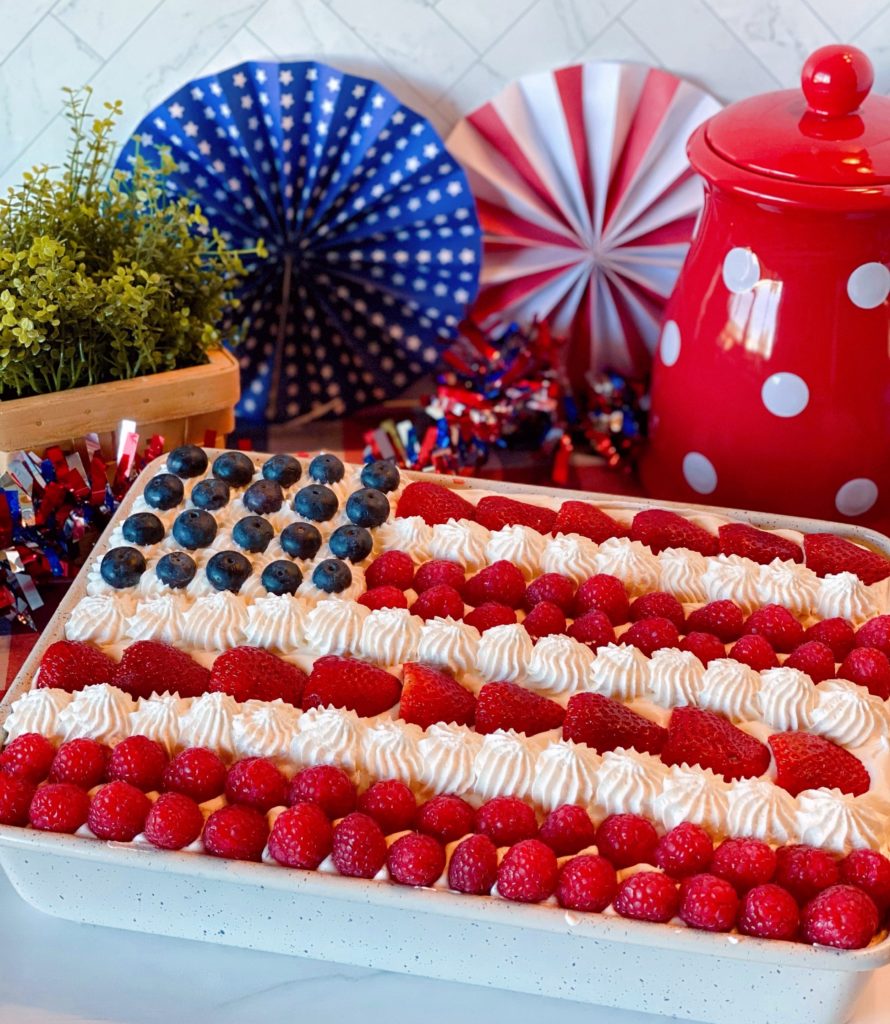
column 71, row 665
column 251, row 673
column 149, row 666
column 430, row 695
column 433, row 503
column 805, row 761
column 349, row 683
column 660, row 528
column 587, row 520
column 606, row 724
column 496, row 511
column 510, row 706
column 826, row 553
column 758, row 545
column 696, row 736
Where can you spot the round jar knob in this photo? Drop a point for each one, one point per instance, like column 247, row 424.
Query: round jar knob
column 836, row 79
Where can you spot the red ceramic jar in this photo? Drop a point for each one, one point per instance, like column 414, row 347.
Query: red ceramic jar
column 771, row 386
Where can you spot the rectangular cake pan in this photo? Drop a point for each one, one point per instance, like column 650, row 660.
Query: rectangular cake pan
column 599, row 959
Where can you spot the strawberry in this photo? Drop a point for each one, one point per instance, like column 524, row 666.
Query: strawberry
column 384, row 597
column 489, row 615
column 606, row 724
column 758, row 545
column 650, row 635
column 149, row 666
column 236, row 832
column 838, row 634
column 544, row 620
column 430, row 695
column 509, row 706
column 349, row 683
column 700, row 737
column 754, row 651
column 250, row 673
column 434, row 503
column 552, row 587
column 70, row 665
column 438, row 572
column 446, row 818
column 256, row 782
column 173, row 822
column 391, row 569
column 826, row 553
column 874, row 633
column 805, row 871
column 197, row 773
column 81, row 762
column 139, row 761
column 301, row 837
column 501, row 582
column 660, row 528
column 359, row 846
column 415, row 859
column 627, row 839
column 587, row 520
column 841, row 916
column 29, row 756
column 603, row 593
column 506, row 820
column 594, row 629
column 705, row 646
column 60, row 807
column 658, row 605
column 805, row 761
column 391, row 804
column 868, row 667
column 118, row 812
column 568, row 829
column 777, row 625
column 528, row 873
column 684, row 850
column 473, row 867
column 587, row 883
column 439, row 602
column 326, row 785
column 769, row 912
column 708, row 903
column 814, row 658
column 496, row 512
column 722, row 618
column 647, row 896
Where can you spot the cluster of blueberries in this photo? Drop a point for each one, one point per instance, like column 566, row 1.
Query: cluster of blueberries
column 196, row 528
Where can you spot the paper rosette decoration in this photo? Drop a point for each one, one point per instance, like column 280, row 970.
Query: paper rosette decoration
column 370, row 224
column 587, row 204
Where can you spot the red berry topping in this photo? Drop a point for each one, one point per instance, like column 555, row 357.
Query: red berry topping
column 650, row 635
column 359, row 846
column 391, row 569
column 384, row 597
column 197, row 772
column 661, row 528
column 430, row 695
column 495, row 512
column 439, row 602
column 118, row 812
column 705, row 646
column 473, row 867
column 81, row 762
column 139, row 761
column 587, row 520
column 568, row 829
column 506, row 820
column 391, row 804
column 236, row 832
column 350, row 683
column 842, row 916
column 755, row 651
column 826, row 554
column 256, row 782
column 868, row 667
column 814, row 658
column 489, row 615
column 439, row 573
column 869, row 871
column 708, row 903
column 627, row 839
column 70, row 665
column 838, row 635
column 149, row 666
column 758, row 545
column 685, row 850
column 544, row 619
column 777, row 625
column 697, row 736
column 606, row 724
column 805, row 871
column 658, row 605
column 805, row 761
column 594, row 629
column 528, row 873
column 59, row 807
column 510, row 706
column 769, row 912
column 874, row 633
column 744, row 863
column 433, row 503
column 586, row 883
column 501, row 582
column 552, row 587
column 415, row 859
column 15, row 798
column 29, row 756
column 250, row 673
column 722, row 618
column 301, row 837
column 606, row 594
column 648, row 896
column 326, row 785
column 445, row 818
column 174, row 822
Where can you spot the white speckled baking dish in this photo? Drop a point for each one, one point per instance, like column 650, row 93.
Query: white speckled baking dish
column 599, row 959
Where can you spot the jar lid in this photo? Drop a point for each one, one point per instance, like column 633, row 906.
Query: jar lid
column 830, row 132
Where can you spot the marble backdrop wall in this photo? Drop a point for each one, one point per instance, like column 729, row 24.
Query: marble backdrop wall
column 442, row 57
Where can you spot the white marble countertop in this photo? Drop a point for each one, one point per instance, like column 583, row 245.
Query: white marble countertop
column 56, row 972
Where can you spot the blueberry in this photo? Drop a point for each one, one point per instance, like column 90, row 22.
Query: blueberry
column 177, row 569
column 352, row 542
column 326, row 469
column 122, row 567
column 187, row 461
column 210, row 494
column 300, row 540
column 253, row 533
column 143, row 528
column 228, row 570
column 194, row 528
column 164, row 491
column 332, row 575
column 316, row 502
column 367, row 507
column 233, row 467
column 281, row 577
column 283, row 468
column 382, row 475
column 264, row 496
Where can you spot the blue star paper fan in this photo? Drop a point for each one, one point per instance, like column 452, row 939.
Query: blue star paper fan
column 374, row 245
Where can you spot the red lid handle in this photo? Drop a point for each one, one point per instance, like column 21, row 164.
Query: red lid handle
column 836, row 79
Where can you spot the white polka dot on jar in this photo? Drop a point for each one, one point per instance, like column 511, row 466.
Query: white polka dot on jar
column 869, row 285
column 699, row 473
column 856, row 497
column 741, row 270
column 785, row 394
column 670, row 343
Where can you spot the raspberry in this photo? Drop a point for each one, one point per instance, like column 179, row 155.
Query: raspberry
column 874, row 633
column 842, row 916
column 647, row 896
column 722, row 618
column 838, row 635
column 445, row 818
column 391, row 804
column 326, row 785
column 744, row 863
column 685, row 850
column 758, row 545
column 568, row 829
column 699, row 737
column 250, row 673
column 594, row 629
column 352, row 684
column 15, row 798
column 552, row 587
column 415, row 859
column 586, row 883
column 118, row 812
column 59, row 807
column 501, row 582
column 506, row 820
column 528, row 873
column 510, row 706
column 658, row 605
column 430, row 695
column 650, row 635
column 197, row 772
column 139, row 761
column 805, row 761
column 384, row 597
column 359, row 846
column 777, row 625
column 81, row 762
column 868, row 667
column 495, row 512
column 769, row 912
column 473, row 867
column 705, row 646
column 627, row 839
column 587, row 520
column 434, row 504
column 70, row 665
column 544, row 619
column 29, row 756
column 754, row 651
column 805, row 871
column 174, row 822
column 869, row 871
column 814, row 658
column 236, row 832
column 439, row 573
column 149, row 666
column 708, row 903
column 301, row 837
column 826, row 553
column 660, row 528
column 391, row 569
column 439, row 602
column 606, row 724
column 603, row 593
column 256, row 782
column 489, row 615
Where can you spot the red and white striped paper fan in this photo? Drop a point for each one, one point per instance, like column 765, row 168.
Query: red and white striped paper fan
column 587, row 204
